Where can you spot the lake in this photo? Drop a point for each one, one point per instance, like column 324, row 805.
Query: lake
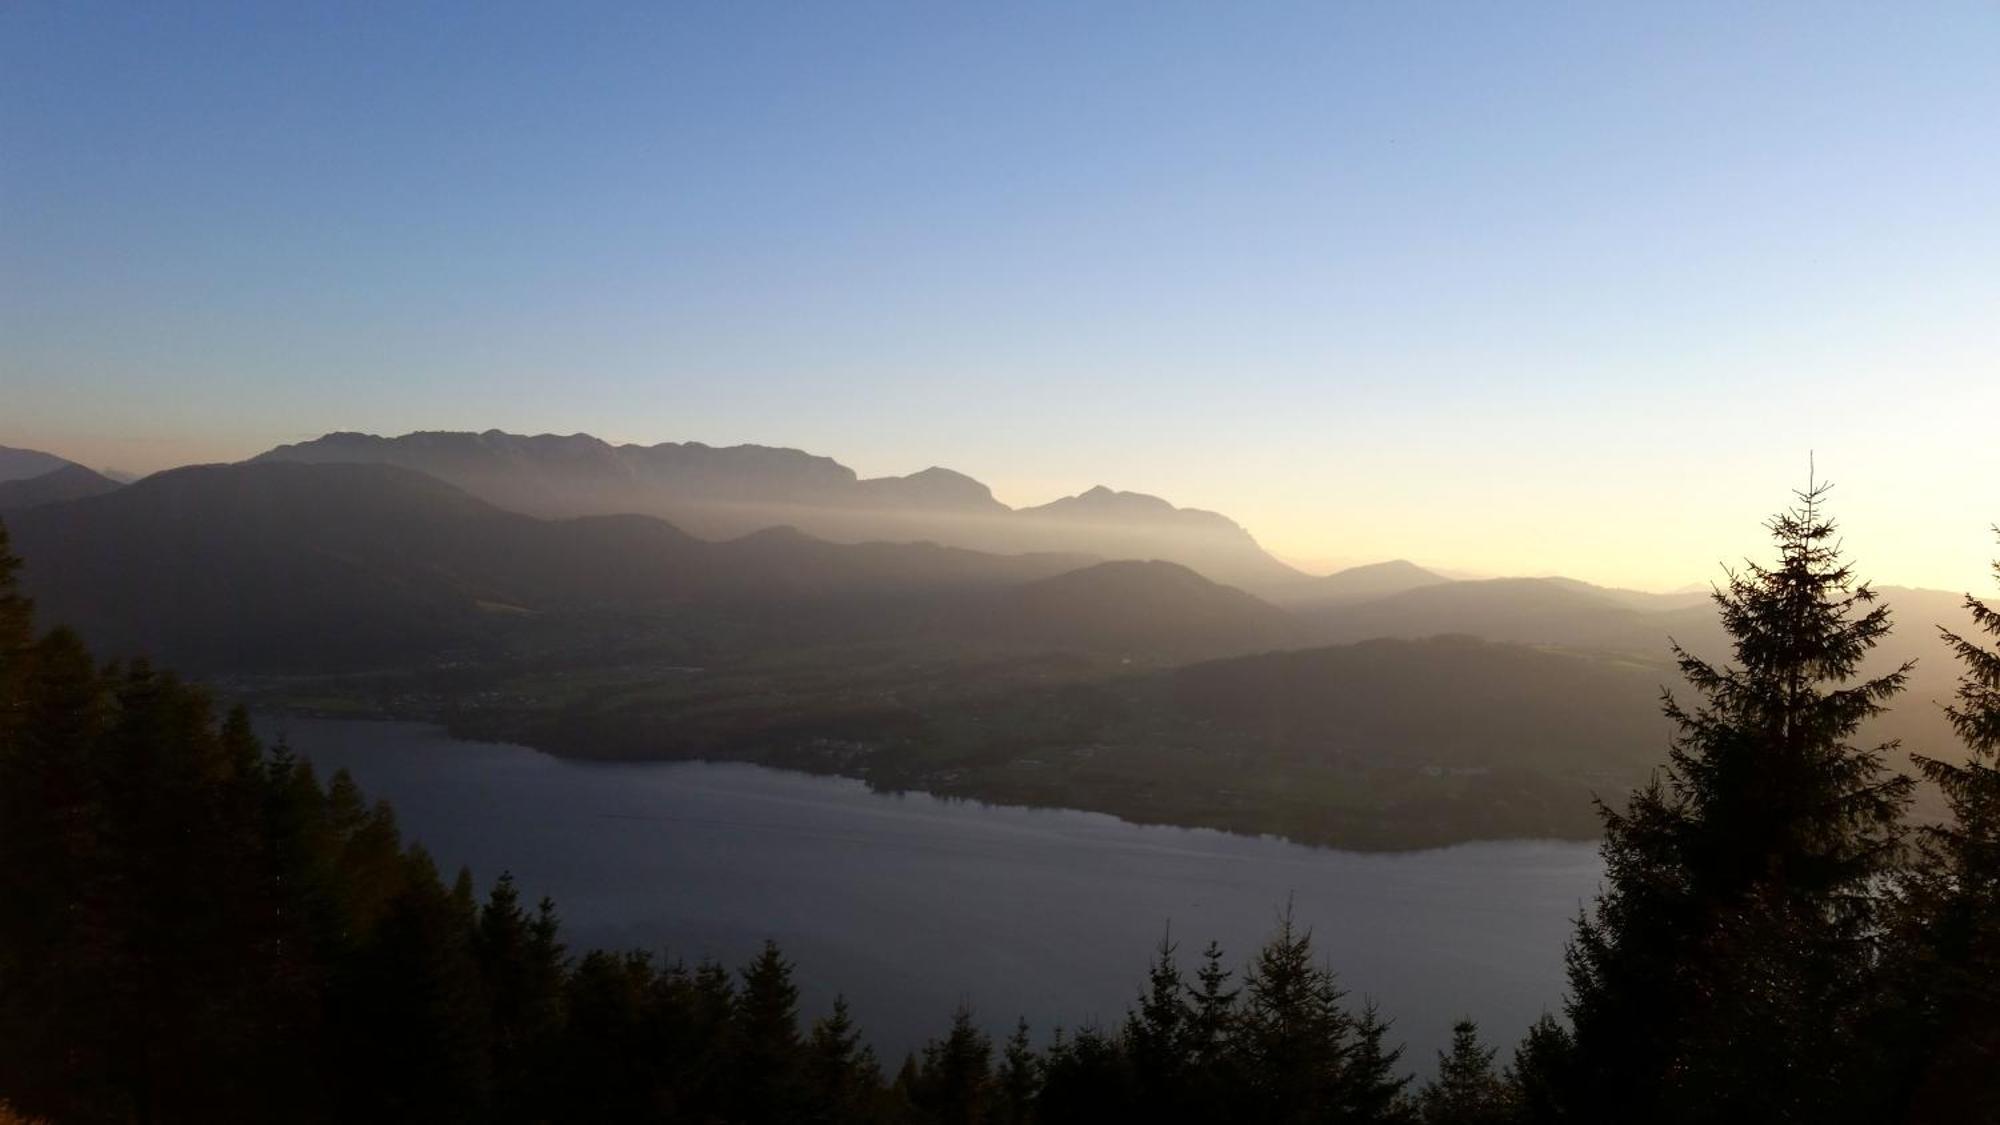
column 913, row 904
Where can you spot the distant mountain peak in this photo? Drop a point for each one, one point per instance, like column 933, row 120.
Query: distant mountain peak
column 935, row 488
column 21, row 464
column 1393, row 566
column 70, row 482
column 1145, row 604
column 1100, row 501
column 1358, row 583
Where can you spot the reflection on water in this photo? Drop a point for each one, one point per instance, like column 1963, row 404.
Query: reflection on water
column 912, row 904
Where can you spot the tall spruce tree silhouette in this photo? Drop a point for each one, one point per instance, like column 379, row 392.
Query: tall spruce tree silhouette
column 1715, row 977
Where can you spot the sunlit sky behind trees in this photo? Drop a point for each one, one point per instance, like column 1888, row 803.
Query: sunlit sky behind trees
column 1506, row 289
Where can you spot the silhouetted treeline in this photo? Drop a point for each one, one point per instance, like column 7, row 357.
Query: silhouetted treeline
column 196, row 928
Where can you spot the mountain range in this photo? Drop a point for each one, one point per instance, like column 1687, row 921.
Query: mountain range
column 277, row 565
column 912, row 663
column 67, row 482
column 20, row 464
column 724, row 492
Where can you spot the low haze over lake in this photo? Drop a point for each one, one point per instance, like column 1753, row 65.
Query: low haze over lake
column 911, row 904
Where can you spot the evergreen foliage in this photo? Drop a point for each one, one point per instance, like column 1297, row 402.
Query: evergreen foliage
column 1466, row 1090
column 1943, row 1000
column 1717, row 977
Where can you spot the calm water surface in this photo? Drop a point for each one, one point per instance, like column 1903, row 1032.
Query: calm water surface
column 910, row 905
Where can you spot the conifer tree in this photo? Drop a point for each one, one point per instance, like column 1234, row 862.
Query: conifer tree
column 520, row 958
column 1085, row 1079
column 1712, row 978
column 60, row 1014
column 370, row 870
column 713, row 1031
column 1292, row 1035
column 1949, row 976
column 841, row 1076
column 1020, row 1079
column 768, row 1053
column 902, row 1099
column 954, row 1082
column 1539, row 1076
column 17, row 638
column 308, row 935
column 1156, row 1037
column 607, row 1068
column 1466, row 1091
column 1371, row 1089
column 415, row 1012
column 1215, row 1076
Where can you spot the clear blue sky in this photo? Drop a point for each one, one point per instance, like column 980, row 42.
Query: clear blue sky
column 1517, row 288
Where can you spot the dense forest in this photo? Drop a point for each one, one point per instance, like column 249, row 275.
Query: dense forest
column 194, row 926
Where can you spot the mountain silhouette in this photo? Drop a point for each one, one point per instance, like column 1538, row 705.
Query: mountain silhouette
column 1361, row 583
column 726, row 492
column 21, row 464
column 272, row 565
column 1153, row 607
column 70, row 482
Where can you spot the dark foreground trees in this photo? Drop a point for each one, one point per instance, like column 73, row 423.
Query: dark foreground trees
column 1717, row 977
column 193, row 927
column 1943, row 998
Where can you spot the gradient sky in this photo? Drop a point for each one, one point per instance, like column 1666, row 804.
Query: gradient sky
column 1509, row 288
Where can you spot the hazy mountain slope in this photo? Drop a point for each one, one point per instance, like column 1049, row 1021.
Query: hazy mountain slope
column 20, row 464
column 1158, row 608
column 1642, row 600
column 70, row 482
column 265, row 566
column 1360, row 583
column 559, row 476
column 722, row 493
column 1521, row 610
column 1450, row 703
column 1576, row 615
column 931, row 490
column 289, row 567
column 1454, row 701
column 1133, row 525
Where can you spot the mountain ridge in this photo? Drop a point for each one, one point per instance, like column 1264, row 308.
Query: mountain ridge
column 722, row 492
column 24, row 464
column 235, row 566
column 70, row 482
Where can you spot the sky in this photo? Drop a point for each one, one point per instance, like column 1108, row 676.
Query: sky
column 1502, row 288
